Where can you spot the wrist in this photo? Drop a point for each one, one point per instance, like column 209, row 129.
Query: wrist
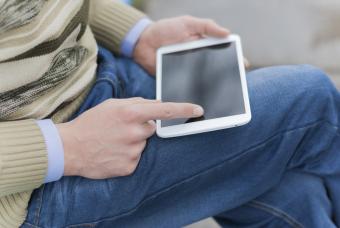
column 141, row 44
column 70, row 145
column 128, row 45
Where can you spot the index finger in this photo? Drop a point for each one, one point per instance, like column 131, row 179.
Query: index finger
column 167, row 111
column 209, row 27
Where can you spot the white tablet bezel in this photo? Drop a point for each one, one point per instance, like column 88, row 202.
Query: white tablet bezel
column 211, row 124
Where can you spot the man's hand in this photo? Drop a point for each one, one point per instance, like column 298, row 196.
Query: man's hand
column 170, row 31
column 107, row 141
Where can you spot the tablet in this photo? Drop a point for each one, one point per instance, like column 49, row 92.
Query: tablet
column 208, row 72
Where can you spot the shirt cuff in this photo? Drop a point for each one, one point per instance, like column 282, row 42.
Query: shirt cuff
column 131, row 38
column 55, row 150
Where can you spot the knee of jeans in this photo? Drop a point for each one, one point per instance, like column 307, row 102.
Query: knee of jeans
column 314, row 84
column 304, row 80
column 313, row 77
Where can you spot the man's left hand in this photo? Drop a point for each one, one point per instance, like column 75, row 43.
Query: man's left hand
column 171, row 31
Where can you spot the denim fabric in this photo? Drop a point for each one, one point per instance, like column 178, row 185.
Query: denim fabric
column 117, row 78
column 280, row 170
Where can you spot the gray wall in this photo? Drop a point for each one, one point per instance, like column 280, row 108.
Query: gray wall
column 274, row 32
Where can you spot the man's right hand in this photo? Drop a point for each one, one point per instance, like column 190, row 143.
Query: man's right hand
column 108, row 140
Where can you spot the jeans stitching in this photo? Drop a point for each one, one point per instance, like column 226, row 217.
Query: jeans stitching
column 108, row 65
column 94, row 224
column 114, row 83
column 122, row 84
column 249, row 149
column 320, row 156
column 31, row 225
column 109, row 80
column 276, row 213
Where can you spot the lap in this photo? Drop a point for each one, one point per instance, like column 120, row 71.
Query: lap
column 178, row 175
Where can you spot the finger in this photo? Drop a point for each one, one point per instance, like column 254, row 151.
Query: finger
column 193, row 38
column 166, row 111
column 149, row 128
column 135, row 150
column 208, row 27
column 142, row 131
column 246, row 63
column 140, row 100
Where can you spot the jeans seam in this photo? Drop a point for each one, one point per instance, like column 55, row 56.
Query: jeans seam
column 320, row 156
column 122, row 84
column 116, row 84
column 90, row 224
column 276, row 213
column 160, row 192
column 112, row 83
column 31, row 225
column 108, row 65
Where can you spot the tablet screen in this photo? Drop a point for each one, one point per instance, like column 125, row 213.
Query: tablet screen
column 207, row 76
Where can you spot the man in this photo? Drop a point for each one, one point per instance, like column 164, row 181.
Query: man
column 281, row 170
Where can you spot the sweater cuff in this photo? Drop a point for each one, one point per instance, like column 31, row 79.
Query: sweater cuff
column 111, row 21
column 55, row 151
column 23, row 157
column 132, row 37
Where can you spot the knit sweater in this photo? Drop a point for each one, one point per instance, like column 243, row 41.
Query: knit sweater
column 47, row 66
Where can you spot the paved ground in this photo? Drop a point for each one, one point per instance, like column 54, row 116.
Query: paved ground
column 218, row 10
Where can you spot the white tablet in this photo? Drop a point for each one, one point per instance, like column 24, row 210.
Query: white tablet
column 208, row 72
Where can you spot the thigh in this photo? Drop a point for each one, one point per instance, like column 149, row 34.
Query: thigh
column 299, row 200
column 182, row 180
column 135, row 80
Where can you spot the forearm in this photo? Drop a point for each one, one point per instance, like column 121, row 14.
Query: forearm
column 23, row 156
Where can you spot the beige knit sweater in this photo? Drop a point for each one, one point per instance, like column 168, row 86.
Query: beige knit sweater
column 47, row 65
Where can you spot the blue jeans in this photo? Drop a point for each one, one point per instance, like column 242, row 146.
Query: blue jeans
column 280, row 170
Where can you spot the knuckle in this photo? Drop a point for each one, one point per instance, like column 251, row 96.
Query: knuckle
column 130, row 114
column 130, row 169
column 136, row 132
column 168, row 113
column 209, row 21
column 153, row 129
column 109, row 102
column 112, row 101
column 137, row 99
column 134, row 155
column 187, row 18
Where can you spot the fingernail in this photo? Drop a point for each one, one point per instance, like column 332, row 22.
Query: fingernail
column 198, row 111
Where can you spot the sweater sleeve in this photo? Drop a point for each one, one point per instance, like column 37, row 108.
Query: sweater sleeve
column 111, row 20
column 23, row 157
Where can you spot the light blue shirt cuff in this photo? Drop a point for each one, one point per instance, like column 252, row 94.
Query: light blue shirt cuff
column 131, row 38
column 55, row 150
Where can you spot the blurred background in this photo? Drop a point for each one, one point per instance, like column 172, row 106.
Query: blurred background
column 273, row 32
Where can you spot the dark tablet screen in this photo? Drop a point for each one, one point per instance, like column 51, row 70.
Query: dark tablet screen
column 207, row 76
